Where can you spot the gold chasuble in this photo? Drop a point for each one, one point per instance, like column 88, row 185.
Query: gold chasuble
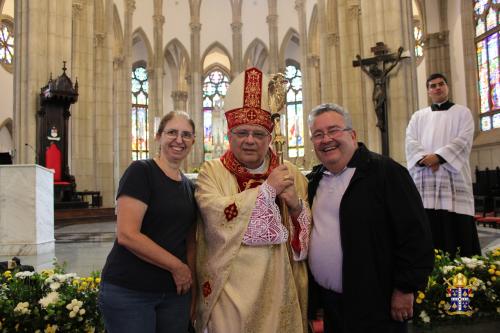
column 243, row 288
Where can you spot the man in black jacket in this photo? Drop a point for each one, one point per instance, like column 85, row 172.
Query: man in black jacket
column 370, row 247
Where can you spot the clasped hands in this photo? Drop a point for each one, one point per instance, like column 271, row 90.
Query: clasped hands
column 284, row 185
column 430, row 161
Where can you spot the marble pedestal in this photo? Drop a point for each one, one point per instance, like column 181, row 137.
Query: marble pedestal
column 26, row 210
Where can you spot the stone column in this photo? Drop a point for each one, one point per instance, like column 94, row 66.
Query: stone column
column 180, row 100
column 84, row 57
column 155, row 73
column 237, row 38
column 272, row 21
column 195, row 100
column 437, row 54
column 305, row 68
column 124, row 125
column 40, row 50
column 351, row 94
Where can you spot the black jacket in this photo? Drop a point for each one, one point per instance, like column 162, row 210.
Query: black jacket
column 385, row 235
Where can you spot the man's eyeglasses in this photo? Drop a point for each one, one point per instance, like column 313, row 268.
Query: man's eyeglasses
column 173, row 134
column 332, row 133
column 258, row 135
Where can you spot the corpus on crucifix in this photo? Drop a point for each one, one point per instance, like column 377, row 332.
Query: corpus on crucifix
column 378, row 69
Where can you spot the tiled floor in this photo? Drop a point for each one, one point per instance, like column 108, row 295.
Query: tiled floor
column 84, row 247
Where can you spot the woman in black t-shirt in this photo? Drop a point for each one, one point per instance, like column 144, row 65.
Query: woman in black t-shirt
column 147, row 278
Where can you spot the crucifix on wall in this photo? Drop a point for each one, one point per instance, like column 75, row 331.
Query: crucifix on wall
column 378, row 69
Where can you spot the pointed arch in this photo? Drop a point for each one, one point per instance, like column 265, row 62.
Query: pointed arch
column 137, row 37
column 216, row 53
column 177, row 61
column 7, row 123
column 256, row 55
column 290, row 47
column 313, row 38
column 117, row 33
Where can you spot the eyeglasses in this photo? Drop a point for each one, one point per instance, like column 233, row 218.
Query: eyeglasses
column 258, row 135
column 173, row 134
column 332, row 133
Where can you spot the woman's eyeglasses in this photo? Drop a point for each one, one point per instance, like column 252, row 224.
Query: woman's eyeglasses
column 173, row 134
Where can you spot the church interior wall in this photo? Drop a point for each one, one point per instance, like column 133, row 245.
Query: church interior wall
column 177, row 22
column 7, row 87
column 287, row 17
column 168, row 103
column 357, row 25
column 254, row 23
column 6, row 82
column 457, row 83
column 216, row 21
column 143, row 17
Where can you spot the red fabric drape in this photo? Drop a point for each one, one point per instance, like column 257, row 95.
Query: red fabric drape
column 53, row 161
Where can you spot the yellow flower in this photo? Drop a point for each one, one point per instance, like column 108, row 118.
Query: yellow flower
column 418, row 300
column 491, row 271
column 51, row 329
column 438, row 257
column 436, row 251
column 493, row 266
column 421, row 295
column 497, row 273
column 7, row 274
column 459, row 268
column 97, row 280
column 441, row 302
column 90, row 279
column 493, row 278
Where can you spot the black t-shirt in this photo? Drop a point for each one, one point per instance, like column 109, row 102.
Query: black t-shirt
column 170, row 214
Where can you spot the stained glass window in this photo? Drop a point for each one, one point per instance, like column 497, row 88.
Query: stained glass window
column 215, row 140
column 487, row 35
column 6, row 43
column 139, row 114
column 419, row 41
column 294, row 113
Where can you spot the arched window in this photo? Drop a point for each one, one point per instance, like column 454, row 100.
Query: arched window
column 6, row 44
column 215, row 140
column 139, row 114
column 418, row 31
column 294, row 113
column 487, row 30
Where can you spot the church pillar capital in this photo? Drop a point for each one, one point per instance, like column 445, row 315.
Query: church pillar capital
column 313, row 60
column 272, row 19
column 333, row 39
column 236, row 27
column 77, row 8
column 130, row 5
column 195, row 27
column 159, row 20
column 99, row 39
column 354, row 11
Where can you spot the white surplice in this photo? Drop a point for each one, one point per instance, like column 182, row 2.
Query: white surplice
column 449, row 134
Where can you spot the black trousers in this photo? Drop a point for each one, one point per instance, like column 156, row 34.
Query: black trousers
column 333, row 318
column 452, row 232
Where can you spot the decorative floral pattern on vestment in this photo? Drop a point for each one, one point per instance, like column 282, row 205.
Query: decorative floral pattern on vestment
column 245, row 179
column 265, row 225
column 231, row 211
column 207, row 289
column 251, row 112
